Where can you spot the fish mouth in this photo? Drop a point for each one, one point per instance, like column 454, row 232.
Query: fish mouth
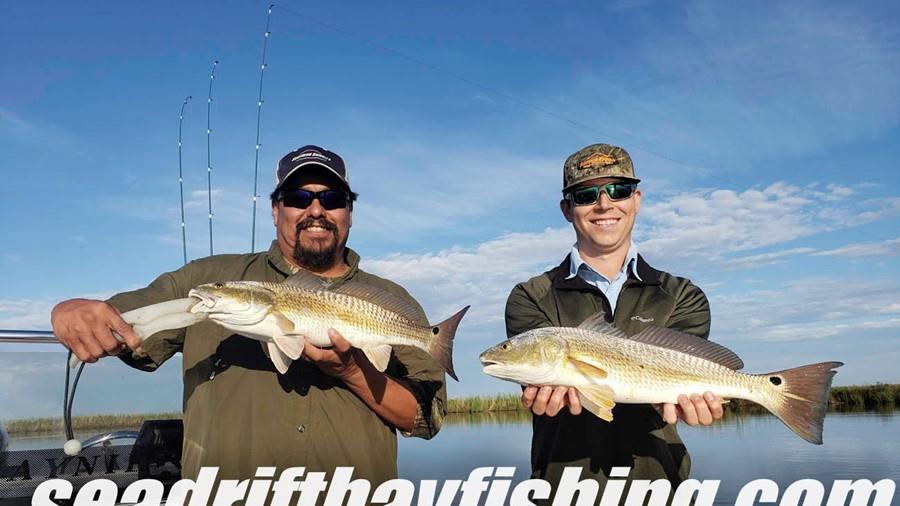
column 488, row 366
column 205, row 302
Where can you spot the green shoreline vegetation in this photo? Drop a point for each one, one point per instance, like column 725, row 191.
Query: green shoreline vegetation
column 849, row 398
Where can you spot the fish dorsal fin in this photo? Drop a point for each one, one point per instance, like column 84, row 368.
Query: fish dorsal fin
column 379, row 297
column 305, row 280
column 690, row 344
column 597, row 323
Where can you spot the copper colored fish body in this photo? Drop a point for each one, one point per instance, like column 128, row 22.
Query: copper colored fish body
column 656, row 366
column 285, row 315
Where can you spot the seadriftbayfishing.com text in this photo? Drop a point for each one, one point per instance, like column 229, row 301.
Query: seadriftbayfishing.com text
column 489, row 486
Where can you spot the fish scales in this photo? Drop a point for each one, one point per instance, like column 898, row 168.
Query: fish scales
column 361, row 321
column 640, row 371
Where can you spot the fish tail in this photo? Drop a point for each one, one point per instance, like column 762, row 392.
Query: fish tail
column 441, row 345
column 801, row 397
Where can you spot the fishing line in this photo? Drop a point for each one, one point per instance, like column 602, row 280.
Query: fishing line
column 181, row 179
column 259, row 104
column 209, row 99
column 72, row 445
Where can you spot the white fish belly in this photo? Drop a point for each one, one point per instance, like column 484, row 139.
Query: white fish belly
column 315, row 330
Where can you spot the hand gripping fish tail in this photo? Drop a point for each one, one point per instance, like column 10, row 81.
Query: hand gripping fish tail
column 441, row 348
column 148, row 320
column 799, row 397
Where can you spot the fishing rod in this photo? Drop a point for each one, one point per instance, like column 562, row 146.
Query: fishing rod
column 259, row 104
column 181, row 180
column 209, row 99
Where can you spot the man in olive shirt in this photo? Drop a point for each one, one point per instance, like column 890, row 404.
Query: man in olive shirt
column 331, row 409
column 604, row 272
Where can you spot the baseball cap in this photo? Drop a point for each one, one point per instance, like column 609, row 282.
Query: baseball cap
column 596, row 161
column 310, row 156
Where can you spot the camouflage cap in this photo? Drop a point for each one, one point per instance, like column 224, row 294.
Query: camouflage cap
column 596, row 161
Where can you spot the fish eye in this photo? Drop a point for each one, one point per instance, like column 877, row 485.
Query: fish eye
column 219, row 285
column 504, row 346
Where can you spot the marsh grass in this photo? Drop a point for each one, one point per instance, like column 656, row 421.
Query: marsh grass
column 485, row 404
column 850, row 398
column 84, row 423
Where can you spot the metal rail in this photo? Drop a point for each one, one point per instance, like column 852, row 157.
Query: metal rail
column 28, row 336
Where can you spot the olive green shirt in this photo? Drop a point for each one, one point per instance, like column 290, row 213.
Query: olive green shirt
column 637, row 437
column 239, row 413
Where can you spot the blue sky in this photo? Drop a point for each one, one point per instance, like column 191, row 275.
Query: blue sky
column 767, row 137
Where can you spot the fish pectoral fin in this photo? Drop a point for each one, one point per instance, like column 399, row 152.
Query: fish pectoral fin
column 283, row 323
column 281, row 361
column 282, row 335
column 598, row 399
column 292, row 346
column 591, row 369
column 378, row 355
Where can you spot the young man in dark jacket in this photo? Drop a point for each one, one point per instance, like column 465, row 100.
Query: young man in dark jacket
column 604, row 272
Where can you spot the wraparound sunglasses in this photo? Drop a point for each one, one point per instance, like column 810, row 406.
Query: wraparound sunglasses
column 587, row 195
column 329, row 199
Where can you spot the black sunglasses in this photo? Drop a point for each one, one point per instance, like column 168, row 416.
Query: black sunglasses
column 591, row 194
column 329, row 199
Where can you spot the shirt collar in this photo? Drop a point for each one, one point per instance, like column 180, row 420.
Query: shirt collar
column 276, row 259
column 631, row 263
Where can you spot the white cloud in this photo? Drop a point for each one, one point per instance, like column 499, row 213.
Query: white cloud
column 804, row 309
column 710, row 225
column 481, row 276
column 764, row 258
column 197, row 199
column 442, row 189
column 883, row 324
column 25, row 314
column 884, row 248
column 35, row 133
column 34, row 314
column 484, row 99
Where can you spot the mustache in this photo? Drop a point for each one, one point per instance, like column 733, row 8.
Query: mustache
column 313, row 222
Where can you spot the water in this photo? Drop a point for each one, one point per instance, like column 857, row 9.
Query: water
column 735, row 451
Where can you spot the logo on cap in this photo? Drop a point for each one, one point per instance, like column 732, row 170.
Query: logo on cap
column 311, row 154
column 597, row 160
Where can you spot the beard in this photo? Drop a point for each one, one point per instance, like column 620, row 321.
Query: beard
column 319, row 254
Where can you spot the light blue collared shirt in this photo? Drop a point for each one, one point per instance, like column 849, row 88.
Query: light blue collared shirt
column 611, row 289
